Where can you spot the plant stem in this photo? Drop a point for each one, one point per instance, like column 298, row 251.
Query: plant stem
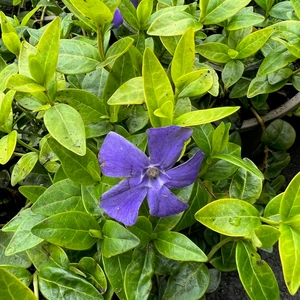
column 35, row 285
column 216, row 247
column 18, row 154
column 100, row 43
column 206, row 188
column 27, row 146
column 269, row 222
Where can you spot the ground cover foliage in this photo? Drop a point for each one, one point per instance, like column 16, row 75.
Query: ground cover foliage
column 172, row 80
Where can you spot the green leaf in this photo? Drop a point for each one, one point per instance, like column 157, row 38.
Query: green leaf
column 244, row 20
column 183, row 59
column 203, row 135
column 18, row 259
column 290, row 203
column 117, row 239
column 5, row 74
column 93, row 272
column 165, row 223
column 265, row 4
column 172, row 23
column 23, row 167
column 7, row 146
column 177, row 246
column 32, row 192
column 62, row 196
column 68, row 229
column 191, row 282
column 142, row 229
column 48, row 255
column 157, row 88
column 256, row 275
column 77, row 57
column 23, row 239
column 128, row 12
column 20, row 273
column 232, row 72
column 12, row 288
column 205, row 116
column 84, row 170
column 245, row 186
column 273, row 207
column 279, row 135
column 138, row 274
column 46, row 54
column 90, row 107
column 116, row 50
column 242, row 163
column 289, row 249
column 90, row 199
column 214, row 51
column 23, row 83
column 95, row 10
column 129, row 93
column 65, row 125
column 220, row 137
column 57, row 281
column 115, row 267
column 253, row 42
column 274, row 61
column 296, row 6
column 6, row 107
column 216, row 11
column 144, row 11
column 9, row 35
column 261, row 85
column 231, row 217
column 268, row 235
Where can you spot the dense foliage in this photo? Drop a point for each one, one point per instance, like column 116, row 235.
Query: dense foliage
column 165, row 79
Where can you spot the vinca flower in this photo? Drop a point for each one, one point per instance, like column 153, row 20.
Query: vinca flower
column 152, row 177
column 118, row 19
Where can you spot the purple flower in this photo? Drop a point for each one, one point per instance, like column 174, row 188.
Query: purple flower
column 151, row 177
column 118, row 19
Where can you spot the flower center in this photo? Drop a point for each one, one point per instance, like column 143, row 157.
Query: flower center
column 152, row 172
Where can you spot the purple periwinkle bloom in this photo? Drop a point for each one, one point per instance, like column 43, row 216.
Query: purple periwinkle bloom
column 118, row 19
column 151, row 177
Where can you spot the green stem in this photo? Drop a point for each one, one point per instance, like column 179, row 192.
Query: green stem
column 100, row 43
column 27, row 146
column 36, row 285
column 269, row 222
column 49, row 99
column 216, row 247
column 18, row 154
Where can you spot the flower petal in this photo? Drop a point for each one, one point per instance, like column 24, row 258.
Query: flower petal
column 120, row 158
column 163, row 203
column 118, row 19
column 123, row 201
column 186, row 173
column 165, row 144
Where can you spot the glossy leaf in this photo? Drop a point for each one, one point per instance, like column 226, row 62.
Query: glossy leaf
column 115, row 267
column 214, row 12
column 157, row 89
column 191, row 282
column 183, row 59
column 12, row 288
column 24, row 84
column 202, row 135
column 232, row 72
column 142, row 229
column 205, row 116
column 242, row 163
column 20, row 273
column 231, row 217
column 68, row 229
column 245, row 186
column 129, row 93
column 256, row 275
column 62, row 196
column 244, row 20
column 267, row 235
column 296, row 6
column 253, row 42
column 7, row 146
column 23, row 167
column 57, row 281
column 33, row 192
column 117, row 239
column 65, row 125
column 90, row 199
column 97, row 11
column 173, row 23
column 138, row 274
column 5, row 74
column 216, row 52
column 290, row 203
column 77, row 57
column 220, row 138
column 23, row 239
column 177, row 246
